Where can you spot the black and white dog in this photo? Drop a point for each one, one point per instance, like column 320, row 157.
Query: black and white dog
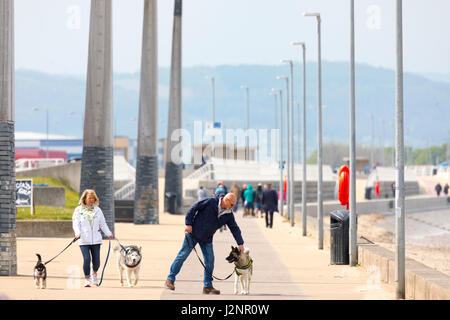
column 40, row 273
column 129, row 259
column 243, row 269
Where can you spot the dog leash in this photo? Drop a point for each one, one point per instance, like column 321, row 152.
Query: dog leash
column 106, row 261
column 74, row 239
column 199, row 259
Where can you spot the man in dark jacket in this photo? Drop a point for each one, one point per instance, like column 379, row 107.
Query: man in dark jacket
column 203, row 219
column 269, row 204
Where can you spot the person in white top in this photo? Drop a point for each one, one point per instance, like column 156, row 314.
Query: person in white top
column 87, row 220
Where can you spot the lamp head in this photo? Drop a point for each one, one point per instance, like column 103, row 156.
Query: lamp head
column 312, row 14
column 297, row 43
column 286, row 61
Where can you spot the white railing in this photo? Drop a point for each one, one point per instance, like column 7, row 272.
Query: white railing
column 24, row 163
column 191, row 181
column 126, row 192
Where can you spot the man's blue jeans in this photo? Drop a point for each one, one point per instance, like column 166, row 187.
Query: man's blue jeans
column 208, row 257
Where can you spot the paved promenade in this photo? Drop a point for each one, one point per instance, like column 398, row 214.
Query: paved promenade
column 286, row 266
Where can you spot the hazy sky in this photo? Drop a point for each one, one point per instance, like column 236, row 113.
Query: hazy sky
column 52, row 35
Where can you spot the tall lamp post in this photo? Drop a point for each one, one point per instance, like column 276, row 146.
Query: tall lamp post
column 353, row 250
column 274, row 93
column 280, row 151
column 303, row 45
column 213, row 103
column 291, row 144
column 400, row 160
column 287, row 116
column 319, row 136
column 247, row 148
column 46, row 126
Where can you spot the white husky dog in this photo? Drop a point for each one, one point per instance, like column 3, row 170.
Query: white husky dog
column 243, row 269
column 129, row 259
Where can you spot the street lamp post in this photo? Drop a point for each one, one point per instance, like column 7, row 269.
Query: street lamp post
column 213, row 103
column 353, row 250
column 400, row 160
column 274, row 93
column 319, row 136
column 247, row 148
column 288, row 149
column 298, row 43
column 291, row 144
column 280, row 151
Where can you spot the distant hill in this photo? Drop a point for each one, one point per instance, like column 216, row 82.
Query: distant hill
column 427, row 102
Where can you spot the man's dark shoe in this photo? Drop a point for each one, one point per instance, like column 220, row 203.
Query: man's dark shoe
column 170, row 284
column 210, row 290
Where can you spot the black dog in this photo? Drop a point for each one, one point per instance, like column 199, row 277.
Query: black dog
column 40, row 273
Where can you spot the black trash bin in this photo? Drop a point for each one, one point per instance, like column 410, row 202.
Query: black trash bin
column 368, row 193
column 171, row 202
column 339, row 233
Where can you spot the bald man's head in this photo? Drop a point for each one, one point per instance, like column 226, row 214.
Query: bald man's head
column 229, row 201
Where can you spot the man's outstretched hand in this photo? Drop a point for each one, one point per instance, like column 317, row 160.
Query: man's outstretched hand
column 241, row 248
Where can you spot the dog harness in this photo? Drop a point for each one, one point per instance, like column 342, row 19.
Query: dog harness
column 250, row 262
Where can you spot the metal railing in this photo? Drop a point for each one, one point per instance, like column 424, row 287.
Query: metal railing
column 126, row 192
column 25, row 163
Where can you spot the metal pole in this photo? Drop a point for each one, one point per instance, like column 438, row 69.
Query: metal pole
column 319, row 157
column 213, row 97
column 353, row 250
column 46, row 124
column 400, row 162
column 247, row 116
column 291, row 158
column 213, row 84
column 371, row 142
column 281, row 156
column 288, row 193
column 304, row 200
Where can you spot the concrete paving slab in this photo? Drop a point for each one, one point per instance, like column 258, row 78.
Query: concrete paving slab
column 287, row 266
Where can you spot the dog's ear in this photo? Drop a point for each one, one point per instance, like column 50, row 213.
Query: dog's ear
column 232, row 248
column 140, row 249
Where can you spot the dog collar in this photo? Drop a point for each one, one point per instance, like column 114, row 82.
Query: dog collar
column 250, row 262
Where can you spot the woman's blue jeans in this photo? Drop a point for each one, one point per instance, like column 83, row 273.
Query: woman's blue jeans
column 208, row 257
column 88, row 251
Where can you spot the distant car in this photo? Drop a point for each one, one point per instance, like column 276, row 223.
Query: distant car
column 75, row 159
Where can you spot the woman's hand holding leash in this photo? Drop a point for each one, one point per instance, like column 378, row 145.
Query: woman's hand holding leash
column 188, row 229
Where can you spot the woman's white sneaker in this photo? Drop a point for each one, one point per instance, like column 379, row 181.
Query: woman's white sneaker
column 94, row 279
column 87, row 283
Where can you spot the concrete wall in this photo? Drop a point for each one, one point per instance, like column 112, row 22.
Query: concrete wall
column 422, row 282
column 68, row 173
column 45, row 228
column 412, row 204
column 49, row 196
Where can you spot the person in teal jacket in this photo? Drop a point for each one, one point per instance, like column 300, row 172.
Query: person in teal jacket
column 249, row 197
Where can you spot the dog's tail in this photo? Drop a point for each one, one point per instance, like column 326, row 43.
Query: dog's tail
column 39, row 257
column 116, row 247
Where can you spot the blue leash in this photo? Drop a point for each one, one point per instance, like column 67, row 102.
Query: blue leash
column 106, row 261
